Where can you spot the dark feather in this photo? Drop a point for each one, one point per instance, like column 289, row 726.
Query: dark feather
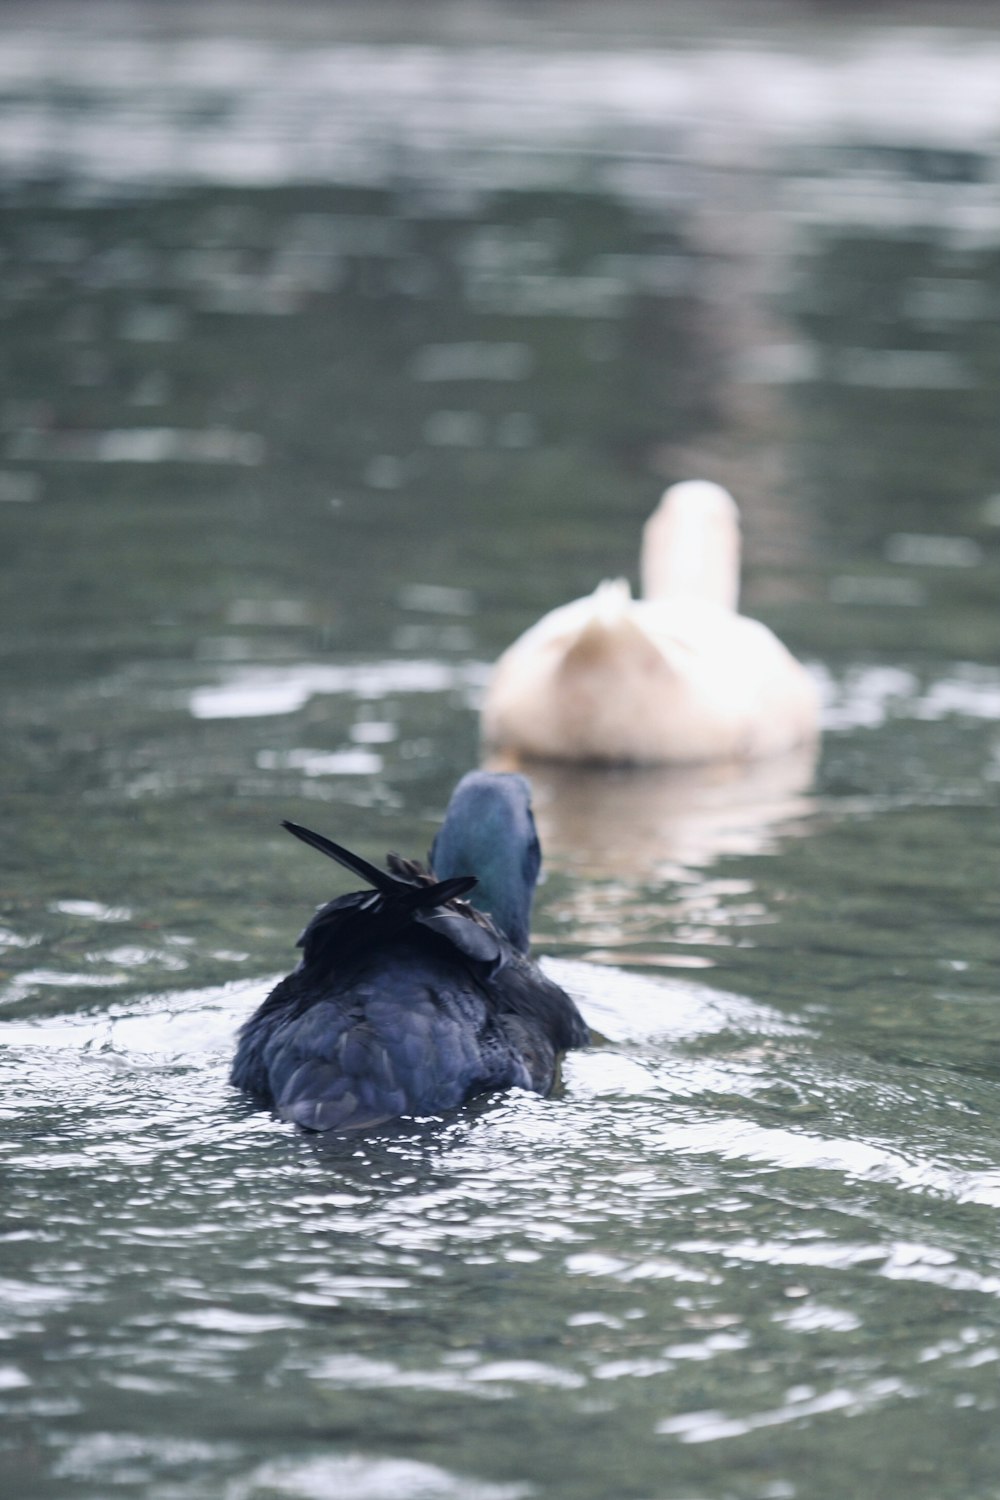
column 429, row 893
column 407, row 1000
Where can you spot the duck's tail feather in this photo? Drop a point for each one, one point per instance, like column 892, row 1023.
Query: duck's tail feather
column 418, row 896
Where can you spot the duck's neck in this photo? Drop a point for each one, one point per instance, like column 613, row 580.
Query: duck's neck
column 503, row 895
column 489, row 832
column 691, row 546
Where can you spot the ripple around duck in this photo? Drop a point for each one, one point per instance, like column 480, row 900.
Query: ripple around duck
column 638, row 1241
column 694, row 1071
column 183, row 1027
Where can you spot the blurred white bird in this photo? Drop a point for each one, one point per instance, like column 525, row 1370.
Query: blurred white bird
column 677, row 676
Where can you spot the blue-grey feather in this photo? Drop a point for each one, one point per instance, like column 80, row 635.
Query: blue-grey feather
column 489, row 829
column 401, row 1007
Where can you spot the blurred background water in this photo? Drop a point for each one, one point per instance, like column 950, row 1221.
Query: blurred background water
column 336, row 346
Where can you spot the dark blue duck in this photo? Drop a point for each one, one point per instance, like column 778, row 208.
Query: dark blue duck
column 408, row 1000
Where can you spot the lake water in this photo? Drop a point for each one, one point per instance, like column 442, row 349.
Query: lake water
column 332, row 357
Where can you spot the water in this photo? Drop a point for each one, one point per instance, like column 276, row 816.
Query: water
column 329, row 362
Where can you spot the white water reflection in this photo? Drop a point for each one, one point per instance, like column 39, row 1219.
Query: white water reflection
column 918, row 550
column 363, row 1478
column 115, row 111
column 627, row 1007
column 139, row 445
column 92, row 911
column 257, row 692
column 652, row 1075
column 901, row 370
column 714, row 1426
column 636, row 824
column 189, row 1026
column 972, row 693
column 868, row 696
column 346, row 762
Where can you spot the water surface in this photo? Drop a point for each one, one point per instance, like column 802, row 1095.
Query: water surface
column 327, row 367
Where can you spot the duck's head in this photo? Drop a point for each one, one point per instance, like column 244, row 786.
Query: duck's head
column 489, row 831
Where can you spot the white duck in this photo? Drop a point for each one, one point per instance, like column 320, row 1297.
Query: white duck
column 675, row 677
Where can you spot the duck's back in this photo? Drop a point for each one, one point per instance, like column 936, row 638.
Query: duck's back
column 608, row 678
column 412, row 1029
column 731, row 688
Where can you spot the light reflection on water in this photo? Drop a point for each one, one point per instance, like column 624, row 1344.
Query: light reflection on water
column 253, row 692
column 327, row 370
column 256, row 114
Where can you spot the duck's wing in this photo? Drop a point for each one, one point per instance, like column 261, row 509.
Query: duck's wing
column 406, row 896
column 523, row 991
column 345, row 929
column 467, row 929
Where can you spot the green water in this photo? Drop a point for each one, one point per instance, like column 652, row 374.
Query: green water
column 324, row 370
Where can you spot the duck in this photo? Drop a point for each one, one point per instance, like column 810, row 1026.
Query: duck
column 408, row 999
column 676, row 677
